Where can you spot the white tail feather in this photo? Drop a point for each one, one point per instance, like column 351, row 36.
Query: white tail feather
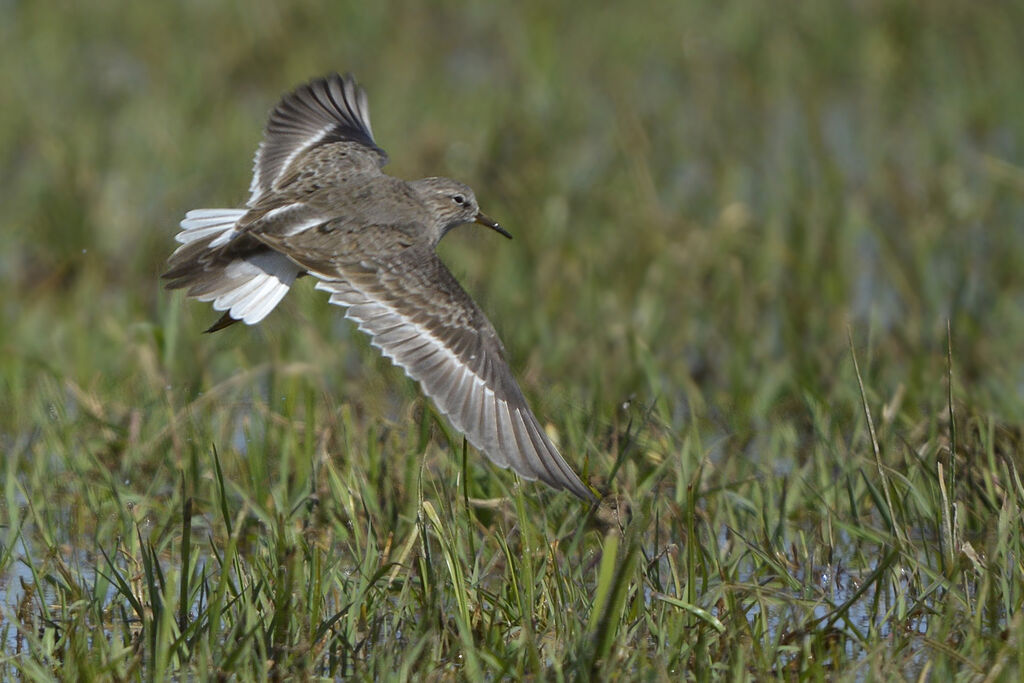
column 201, row 223
column 251, row 287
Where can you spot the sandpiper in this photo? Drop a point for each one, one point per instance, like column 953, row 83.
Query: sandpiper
column 320, row 205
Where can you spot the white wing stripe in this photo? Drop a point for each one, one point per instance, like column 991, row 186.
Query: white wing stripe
column 257, row 176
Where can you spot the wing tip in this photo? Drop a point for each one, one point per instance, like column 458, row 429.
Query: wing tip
column 494, row 417
column 330, row 108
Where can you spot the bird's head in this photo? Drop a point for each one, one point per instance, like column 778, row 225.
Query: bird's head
column 452, row 204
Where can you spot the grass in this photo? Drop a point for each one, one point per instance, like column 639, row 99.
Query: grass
column 765, row 289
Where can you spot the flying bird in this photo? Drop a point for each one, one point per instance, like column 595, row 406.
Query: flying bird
column 320, row 205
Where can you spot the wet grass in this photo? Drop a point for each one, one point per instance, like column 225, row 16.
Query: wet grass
column 766, row 289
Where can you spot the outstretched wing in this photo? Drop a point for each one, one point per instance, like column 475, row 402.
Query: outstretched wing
column 420, row 317
column 323, row 111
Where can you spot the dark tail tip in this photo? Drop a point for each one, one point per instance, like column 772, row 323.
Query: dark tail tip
column 225, row 321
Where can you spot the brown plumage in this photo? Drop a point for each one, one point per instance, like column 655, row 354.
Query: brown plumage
column 320, row 205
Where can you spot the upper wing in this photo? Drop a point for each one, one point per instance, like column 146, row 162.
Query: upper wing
column 420, row 317
column 323, row 111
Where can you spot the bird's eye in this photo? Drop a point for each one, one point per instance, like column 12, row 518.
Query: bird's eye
column 458, row 199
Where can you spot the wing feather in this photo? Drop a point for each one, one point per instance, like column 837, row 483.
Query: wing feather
column 442, row 340
column 323, row 111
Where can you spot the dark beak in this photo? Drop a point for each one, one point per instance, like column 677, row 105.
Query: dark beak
column 483, row 219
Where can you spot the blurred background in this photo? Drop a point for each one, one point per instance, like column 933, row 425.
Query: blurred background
column 717, row 207
column 707, row 197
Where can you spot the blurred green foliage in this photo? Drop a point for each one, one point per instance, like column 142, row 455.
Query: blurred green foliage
column 707, row 199
column 726, row 186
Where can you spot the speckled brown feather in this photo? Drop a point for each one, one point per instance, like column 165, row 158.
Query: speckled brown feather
column 321, row 205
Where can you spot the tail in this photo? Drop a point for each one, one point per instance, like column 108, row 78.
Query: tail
column 246, row 280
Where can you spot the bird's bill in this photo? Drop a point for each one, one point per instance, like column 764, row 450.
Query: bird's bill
column 484, row 219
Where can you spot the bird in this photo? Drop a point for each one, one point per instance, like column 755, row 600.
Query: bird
column 320, row 205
